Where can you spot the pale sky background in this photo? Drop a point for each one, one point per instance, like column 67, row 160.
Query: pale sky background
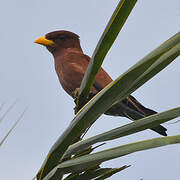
column 27, row 74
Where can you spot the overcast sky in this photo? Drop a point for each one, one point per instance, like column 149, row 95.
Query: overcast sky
column 27, row 75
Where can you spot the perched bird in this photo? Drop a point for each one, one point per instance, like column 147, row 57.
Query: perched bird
column 71, row 64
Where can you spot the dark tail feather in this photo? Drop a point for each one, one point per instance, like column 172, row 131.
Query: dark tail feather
column 133, row 110
column 147, row 112
column 159, row 129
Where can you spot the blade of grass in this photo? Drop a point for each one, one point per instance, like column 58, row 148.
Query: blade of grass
column 131, row 128
column 109, row 35
column 81, row 163
column 111, row 172
column 88, row 175
column 162, row 62
column 100, row 173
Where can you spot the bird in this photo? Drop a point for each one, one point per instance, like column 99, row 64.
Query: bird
column 71, row 63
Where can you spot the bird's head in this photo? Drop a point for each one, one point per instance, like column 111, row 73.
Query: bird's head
column 58, row 40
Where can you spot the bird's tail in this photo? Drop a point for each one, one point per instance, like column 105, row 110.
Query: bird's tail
column 134, row 110
column 159, row 129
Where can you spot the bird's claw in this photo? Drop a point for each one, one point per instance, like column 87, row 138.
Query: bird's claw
column 75, row 93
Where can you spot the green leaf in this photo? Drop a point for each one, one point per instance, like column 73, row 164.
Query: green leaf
column 81, row 163
column 111, row 94
column 131, row 128
column 109, row 35
column 111, row 172
column 88, row 175
column 98, row 173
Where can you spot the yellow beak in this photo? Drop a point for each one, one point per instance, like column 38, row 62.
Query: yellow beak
column 43, row 41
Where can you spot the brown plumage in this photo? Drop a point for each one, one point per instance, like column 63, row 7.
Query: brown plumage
column 71, row 64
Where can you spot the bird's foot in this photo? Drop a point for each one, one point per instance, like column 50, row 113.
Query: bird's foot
column 75, row 94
